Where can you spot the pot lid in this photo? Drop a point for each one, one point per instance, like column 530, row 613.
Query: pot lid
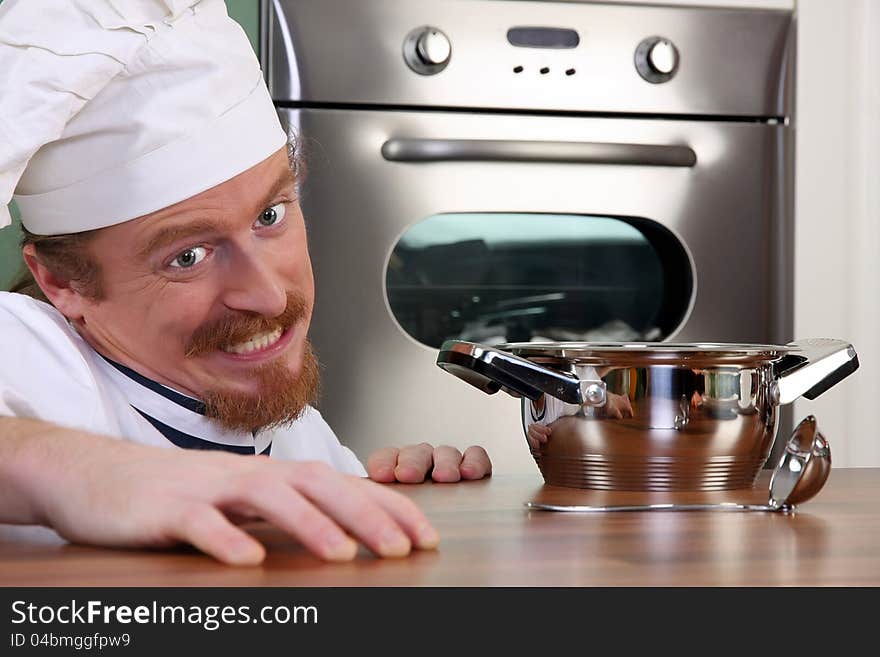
column 628, row 352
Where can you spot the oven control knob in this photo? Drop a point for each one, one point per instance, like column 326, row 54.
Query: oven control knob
column 662, row 57
column 427, row 50
column 433, row 47
column 656, row 59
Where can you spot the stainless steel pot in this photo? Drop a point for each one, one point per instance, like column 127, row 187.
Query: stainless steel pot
column 651, row 416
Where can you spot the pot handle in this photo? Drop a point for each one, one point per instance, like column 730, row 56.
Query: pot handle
column 492, row 370
column 812, row 367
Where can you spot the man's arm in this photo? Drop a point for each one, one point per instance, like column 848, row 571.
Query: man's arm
column 99, row 490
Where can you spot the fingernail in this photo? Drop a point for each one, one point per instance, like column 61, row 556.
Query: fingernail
column 394, row 543
column 245, row 552
column 340, row 548
column 427, row 537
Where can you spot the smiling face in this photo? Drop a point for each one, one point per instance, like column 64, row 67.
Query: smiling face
column 212, row 296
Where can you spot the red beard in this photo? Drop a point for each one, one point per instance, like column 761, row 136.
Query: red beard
column 280, row 399
column 281, row 396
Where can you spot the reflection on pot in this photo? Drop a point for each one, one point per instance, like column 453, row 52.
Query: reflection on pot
column 728, row 395
column 662, row 428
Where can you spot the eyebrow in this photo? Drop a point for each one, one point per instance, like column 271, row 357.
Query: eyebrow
column 171, row 234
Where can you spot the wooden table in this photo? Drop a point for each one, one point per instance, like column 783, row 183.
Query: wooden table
column 490, row 539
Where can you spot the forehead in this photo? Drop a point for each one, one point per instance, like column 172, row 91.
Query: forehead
column 222, row 207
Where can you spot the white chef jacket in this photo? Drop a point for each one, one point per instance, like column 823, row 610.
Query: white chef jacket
column 48, row 372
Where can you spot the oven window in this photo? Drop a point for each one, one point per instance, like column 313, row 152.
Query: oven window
column 498, row 277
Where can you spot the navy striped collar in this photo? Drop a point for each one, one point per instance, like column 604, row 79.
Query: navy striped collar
column 187, row 441
column 185, row 404
column 178, row 398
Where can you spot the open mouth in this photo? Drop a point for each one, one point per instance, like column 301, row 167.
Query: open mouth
column 256, row 343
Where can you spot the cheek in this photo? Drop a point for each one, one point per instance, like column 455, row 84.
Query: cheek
column 162, row 321
column 182, row 309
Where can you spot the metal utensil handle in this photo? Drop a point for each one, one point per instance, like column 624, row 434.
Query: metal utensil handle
column 721, row 506
column 492, row 370
column 556, row 152
column 813, row 366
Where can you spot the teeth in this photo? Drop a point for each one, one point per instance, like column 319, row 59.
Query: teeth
column 256, row 343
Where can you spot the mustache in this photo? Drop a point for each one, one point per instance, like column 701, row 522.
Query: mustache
column 237, row 327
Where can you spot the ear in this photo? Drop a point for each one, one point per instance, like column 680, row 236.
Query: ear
column 59, row 291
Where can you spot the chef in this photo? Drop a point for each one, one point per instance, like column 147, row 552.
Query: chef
column 162, row 231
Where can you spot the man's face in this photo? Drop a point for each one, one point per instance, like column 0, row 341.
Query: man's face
column 212, row 296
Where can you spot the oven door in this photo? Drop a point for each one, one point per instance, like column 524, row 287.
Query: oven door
column 425, row 226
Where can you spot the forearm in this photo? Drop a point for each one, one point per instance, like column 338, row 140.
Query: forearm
column 35, row 457
column 103, row 491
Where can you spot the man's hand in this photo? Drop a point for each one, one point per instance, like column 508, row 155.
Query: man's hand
column 538, row 434
column 618, row 407
column 412, row 464
column 102, row 491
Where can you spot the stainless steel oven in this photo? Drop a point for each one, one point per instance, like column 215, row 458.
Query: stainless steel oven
column 509, row 170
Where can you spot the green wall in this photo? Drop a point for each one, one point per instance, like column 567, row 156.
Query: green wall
column 10, row 255
column 246, row 12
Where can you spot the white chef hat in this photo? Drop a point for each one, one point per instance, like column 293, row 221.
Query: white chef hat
column 112, row 109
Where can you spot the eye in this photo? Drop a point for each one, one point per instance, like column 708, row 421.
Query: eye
column 189, row 257
column 271, row 216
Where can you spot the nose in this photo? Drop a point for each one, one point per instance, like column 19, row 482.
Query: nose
column 253, row 285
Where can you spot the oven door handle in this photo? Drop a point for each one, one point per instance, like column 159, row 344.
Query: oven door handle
column 556, row 152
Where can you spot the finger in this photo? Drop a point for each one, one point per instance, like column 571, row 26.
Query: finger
column 537, row 434
column 543, row 431
column 381, row 464
column 532, row 438
column 342, row 497
column 475, row 464
column 413, row 463
column 208, row 530
column 274, row 500
column 446, row 462
column 405, row 512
